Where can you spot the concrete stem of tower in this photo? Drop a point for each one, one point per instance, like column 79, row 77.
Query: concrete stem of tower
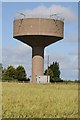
column 37, row 62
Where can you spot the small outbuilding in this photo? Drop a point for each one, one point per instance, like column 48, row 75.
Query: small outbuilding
column 43, row 79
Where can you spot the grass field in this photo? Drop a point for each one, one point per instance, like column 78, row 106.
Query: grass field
column 23, row 100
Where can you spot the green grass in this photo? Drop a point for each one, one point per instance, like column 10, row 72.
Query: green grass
column 23, row 100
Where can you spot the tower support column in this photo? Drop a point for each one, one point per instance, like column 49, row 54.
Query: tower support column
column 37, row 62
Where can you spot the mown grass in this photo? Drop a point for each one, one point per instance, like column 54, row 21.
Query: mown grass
column 23, row 100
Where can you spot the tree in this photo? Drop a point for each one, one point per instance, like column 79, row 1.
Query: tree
column 20, row 73
column 56, row 70
column 53, row 71
column 3, row 71
column 10, row 71
column 49, row 72
column 0, row 71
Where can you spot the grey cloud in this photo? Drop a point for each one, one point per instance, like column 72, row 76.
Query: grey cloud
column 68, row 64
column 19, row 55
column 22, row 54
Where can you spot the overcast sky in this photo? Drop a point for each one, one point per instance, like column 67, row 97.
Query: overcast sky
column 64, row 51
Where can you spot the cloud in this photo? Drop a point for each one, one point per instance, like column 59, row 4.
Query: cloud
column 22, row 55
column 19, row 55
column 68, row 64
column 70, row 37
column 45, row 12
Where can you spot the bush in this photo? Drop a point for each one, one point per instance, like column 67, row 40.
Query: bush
column 7, row 78
column 56, row 79
column 24, row 80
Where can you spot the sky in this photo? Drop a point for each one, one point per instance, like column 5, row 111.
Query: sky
column 64, row 51
column 39, row 0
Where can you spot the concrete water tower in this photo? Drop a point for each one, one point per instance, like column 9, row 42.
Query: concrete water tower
column 38, row 33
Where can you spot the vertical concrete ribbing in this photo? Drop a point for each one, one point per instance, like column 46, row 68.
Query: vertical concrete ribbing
column 37, row 62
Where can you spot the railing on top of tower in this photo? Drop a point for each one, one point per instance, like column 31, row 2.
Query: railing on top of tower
column 55, row 16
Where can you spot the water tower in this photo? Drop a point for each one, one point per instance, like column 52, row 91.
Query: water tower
column 38, row 33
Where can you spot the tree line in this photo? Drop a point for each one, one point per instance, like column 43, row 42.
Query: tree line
column 19, row 73
column 11, row 73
